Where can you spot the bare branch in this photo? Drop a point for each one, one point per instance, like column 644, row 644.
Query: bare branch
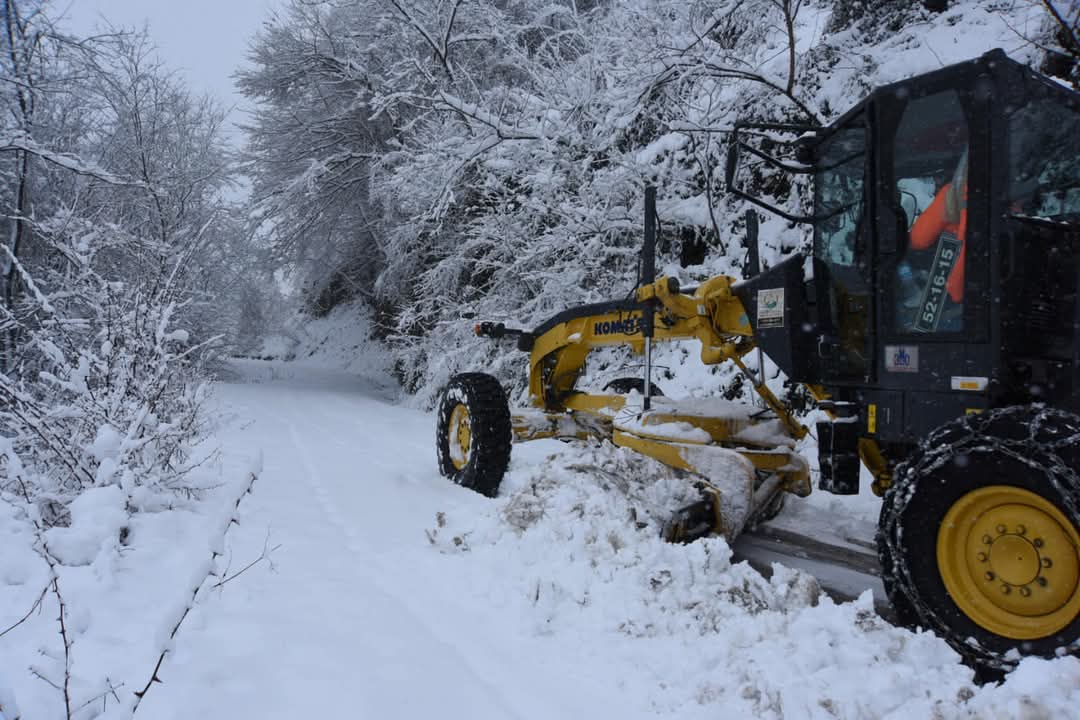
column 439, row 50
column 104, row 696
column 1068, row 30
column 24, row 618
column 193, row 595
column 62, row 619
column 264, row 555
column 40, row 675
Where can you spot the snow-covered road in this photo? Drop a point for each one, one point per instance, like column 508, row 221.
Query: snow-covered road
column 392, row 593
column 358, row 617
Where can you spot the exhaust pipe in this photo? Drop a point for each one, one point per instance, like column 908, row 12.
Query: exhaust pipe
column 648, row 277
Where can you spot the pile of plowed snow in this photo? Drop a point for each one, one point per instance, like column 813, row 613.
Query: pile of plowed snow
column 572, row 546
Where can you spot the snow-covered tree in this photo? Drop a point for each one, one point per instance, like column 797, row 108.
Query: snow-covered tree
column 111, row 185
column 446, row 159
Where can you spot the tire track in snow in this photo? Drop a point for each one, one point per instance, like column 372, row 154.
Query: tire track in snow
column 366, row 556
column 348, row 639
column 349, row 413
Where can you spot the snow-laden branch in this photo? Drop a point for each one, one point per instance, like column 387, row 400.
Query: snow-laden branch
column 474, row 112
column 12, row 261
column 66, row 161
column 201, row 576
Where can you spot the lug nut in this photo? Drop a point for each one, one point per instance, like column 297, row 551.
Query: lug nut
column 987, row 539
column 1038, row 542
column 982, row 557
column 1020, row 529
column 1001, row 529
column 1041, row 580
column 1006, row 589
column 1025, row 591
column 989, row 575
column 1046, row 562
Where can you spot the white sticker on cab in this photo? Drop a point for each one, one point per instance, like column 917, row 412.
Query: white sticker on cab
column 770, row 308
column 902, row 358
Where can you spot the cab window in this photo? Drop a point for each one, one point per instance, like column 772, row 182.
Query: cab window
column 1044, row 160
column 840, row 244
column 839, row 189
column 931, row 163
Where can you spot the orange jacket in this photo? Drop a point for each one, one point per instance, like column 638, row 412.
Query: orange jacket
column 932, row 222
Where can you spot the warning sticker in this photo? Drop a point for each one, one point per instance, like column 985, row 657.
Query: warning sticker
column 902, row 358
column 770, row 308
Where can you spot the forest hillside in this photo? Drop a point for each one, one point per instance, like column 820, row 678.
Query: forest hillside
column 444, row 162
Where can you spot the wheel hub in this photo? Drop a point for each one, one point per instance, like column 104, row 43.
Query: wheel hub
column 460, row 436
column 1014, row 560
column 1009, row 559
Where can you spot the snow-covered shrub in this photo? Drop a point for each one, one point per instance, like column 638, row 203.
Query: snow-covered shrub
column 106, row 389
column 116, row 238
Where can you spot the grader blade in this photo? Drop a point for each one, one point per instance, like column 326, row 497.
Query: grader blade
column 844, row 569
column 691, row 522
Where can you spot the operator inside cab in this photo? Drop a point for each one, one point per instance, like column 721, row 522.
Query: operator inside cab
column 938, row 304
column 930, row 151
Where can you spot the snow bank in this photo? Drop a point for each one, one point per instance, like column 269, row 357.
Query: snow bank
column 118, row 592
column 276, row 347
column 97, row 516
column 8, row 706
column 572, row 546
column 343, row 339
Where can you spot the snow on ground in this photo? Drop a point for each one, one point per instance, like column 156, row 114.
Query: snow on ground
column 390, row 592
column 341, row 340
column 122, row 593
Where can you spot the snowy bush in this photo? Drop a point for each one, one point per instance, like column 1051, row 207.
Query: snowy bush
column 111, row 176
column 107, row 389
column 115, row 281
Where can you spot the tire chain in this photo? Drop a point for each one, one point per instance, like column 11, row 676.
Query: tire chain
column 970, row 433
column 484, row 397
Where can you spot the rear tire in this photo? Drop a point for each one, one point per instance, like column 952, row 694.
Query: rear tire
column 474, row 432
column 979, row 536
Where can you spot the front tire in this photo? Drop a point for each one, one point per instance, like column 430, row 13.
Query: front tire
column 473, row 432
column 980, row 535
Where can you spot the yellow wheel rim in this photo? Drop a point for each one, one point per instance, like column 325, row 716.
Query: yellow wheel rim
column 460, row 436
column 1010, row 560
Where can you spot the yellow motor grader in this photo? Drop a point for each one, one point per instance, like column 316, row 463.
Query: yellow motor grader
column 936, row 321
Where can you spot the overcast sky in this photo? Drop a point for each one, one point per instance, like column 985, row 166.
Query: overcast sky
column 205, row 40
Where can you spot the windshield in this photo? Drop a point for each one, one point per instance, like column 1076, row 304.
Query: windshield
column 1044, row 160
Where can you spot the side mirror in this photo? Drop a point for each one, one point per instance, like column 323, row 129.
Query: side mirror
column 731, row 167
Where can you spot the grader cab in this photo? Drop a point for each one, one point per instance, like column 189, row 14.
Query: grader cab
column 937, row 321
